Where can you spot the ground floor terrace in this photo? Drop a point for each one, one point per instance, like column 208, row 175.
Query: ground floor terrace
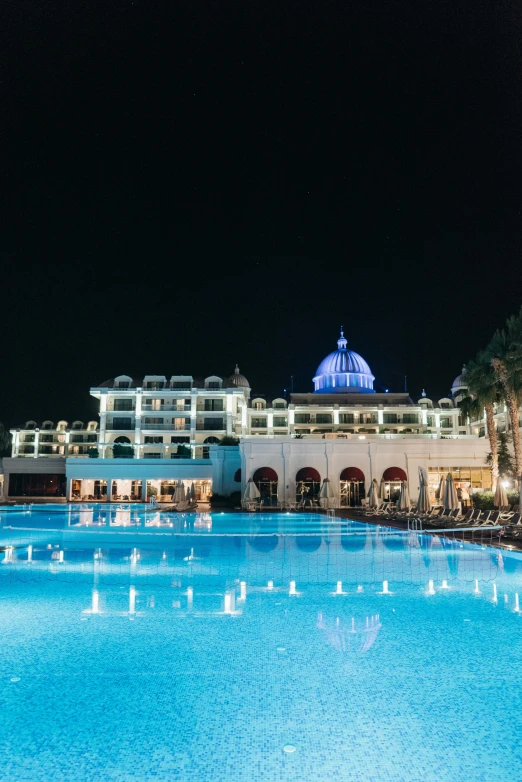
column 121, row 480
column 294, row 470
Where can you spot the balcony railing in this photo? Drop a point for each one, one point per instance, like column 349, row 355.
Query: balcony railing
column 165, row 408
column 167, row 427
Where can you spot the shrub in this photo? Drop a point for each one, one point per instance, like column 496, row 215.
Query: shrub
column 484, row 499
column 229, row 440
column 93, row 453
column 120, row 451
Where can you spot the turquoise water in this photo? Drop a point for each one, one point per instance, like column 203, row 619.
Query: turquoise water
column 241, row 647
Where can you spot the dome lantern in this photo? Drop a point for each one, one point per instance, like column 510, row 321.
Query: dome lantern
column 238, row 379
column 343, row 371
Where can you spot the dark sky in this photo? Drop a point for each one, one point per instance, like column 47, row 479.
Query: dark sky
column 190, row 184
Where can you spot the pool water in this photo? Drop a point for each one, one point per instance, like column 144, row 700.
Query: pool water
column 266, row 647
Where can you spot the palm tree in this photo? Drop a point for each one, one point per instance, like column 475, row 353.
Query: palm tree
column 5, row 440
column 483, row 394
column 505, row 351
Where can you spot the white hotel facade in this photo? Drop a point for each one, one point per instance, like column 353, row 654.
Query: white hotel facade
column 171, row 427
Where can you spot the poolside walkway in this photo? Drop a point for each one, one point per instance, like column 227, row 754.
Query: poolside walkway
column 479, row 536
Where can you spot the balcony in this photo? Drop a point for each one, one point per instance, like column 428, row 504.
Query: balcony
column 165, row 408
column 166, row 427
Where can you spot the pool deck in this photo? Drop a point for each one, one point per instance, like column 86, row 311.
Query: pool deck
column 479, row 536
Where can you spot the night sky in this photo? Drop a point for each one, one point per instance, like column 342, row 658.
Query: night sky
column 187, row 185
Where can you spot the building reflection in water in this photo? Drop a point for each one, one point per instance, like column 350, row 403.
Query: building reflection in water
column 356, row 635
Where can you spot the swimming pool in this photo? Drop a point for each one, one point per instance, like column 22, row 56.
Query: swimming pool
column 266, row 647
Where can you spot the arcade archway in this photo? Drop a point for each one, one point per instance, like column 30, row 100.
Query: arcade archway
column 351, row 487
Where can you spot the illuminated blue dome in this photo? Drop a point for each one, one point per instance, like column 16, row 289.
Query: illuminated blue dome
column 343, row 371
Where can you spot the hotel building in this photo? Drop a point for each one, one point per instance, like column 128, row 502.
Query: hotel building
column 154, row 431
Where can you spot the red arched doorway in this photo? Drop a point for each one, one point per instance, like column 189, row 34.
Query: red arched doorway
column 307, row 485
column 351, row 486
column 391, row 483
column 266, row 480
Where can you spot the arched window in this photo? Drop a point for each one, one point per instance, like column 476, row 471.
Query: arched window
column 122, row 440
column 209, row 441
column 266, row 480
column 307, row 485
column 394, row 474
column 352, row 489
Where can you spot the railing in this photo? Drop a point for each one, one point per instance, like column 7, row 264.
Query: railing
column 174, row 408
column 166, row 427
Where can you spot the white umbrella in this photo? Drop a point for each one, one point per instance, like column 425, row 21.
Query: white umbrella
column 500, row 496
column 404, row 497
column 251, row 491
column 450, row 494
column 326, row 492
column 179, row 494
column 439, row 494
column 382, row 489
column 192, row 492
column 423, row 501
column 374, row 495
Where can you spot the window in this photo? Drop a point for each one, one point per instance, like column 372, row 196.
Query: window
column 302, row 418
column 346, row 418
column 258, row 423
column 155, row 404
column 389, row 418
column 430, row 421
column 279, row 405
column 92, row 438
column 214, row 404
column 213, row 423
column 259, row 405
column 124, row 404
column 147, row 455
column 153, row 439
column 36, row 485
column 181, row 384
column 446, row 423
column 280, row 420
column 77, row 438
column 323, row 418
column 213, row 384
column 154, row 385
column 409, row 418
column 150, row 420
column 122, row 384
column 179, row 439
column 181, row 423
column 121, row 423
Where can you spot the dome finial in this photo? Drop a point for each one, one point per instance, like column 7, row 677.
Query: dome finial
column 423, row 393
column 236, row 370
column 342, row 342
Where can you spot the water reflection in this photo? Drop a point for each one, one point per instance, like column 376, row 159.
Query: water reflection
column 350, row 635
